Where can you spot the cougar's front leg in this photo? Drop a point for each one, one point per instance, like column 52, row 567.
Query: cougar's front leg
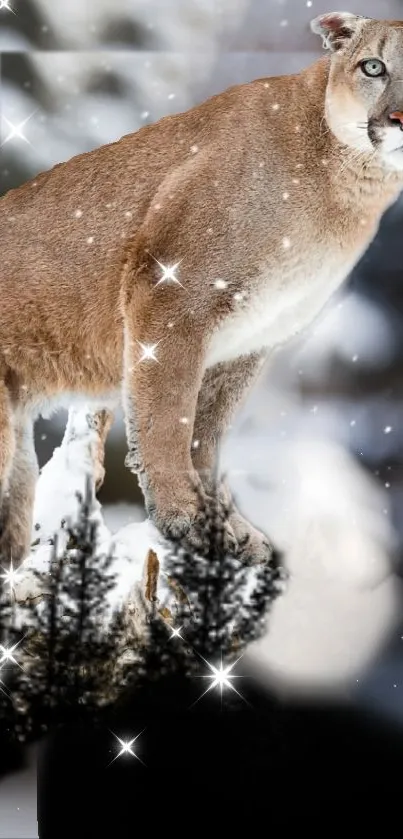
column 163, row 372
column 160, row 396
column 224, row 386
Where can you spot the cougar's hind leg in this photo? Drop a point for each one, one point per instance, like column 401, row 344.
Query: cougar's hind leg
column 7, row 436
column 18, row 501
column 7, row 452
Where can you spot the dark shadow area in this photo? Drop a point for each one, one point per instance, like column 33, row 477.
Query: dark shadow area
column 12, row 756
column 119, row 485
column 226, row 758
column 125, row 32
column 31, row 23
column 48, row 435
column 18, row 69
column 109, row 83
column 381, row 686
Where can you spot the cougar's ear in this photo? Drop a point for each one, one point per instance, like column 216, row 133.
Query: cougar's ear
column 336, row 28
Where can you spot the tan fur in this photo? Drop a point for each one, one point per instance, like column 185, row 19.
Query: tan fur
column 270, row 188
column 103, row 421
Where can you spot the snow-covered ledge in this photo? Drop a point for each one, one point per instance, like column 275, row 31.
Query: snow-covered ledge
column 341, row 599
column 61, row 483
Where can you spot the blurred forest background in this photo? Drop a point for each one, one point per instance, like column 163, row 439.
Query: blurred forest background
column 78, row 75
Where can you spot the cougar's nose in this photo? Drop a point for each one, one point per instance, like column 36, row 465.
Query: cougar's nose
column 397, row 117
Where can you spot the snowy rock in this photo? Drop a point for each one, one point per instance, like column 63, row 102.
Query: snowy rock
column 63, row 479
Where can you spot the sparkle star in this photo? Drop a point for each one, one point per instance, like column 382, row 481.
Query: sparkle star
column 168, row 273
column 220, row 677
column 16, row 130
column 8, row 654
column 176, row 633
column 148, row 351
column 5, row 4
column 126, row 748
column 10, row 576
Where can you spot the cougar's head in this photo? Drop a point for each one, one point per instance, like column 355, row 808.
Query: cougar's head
column 364, row 99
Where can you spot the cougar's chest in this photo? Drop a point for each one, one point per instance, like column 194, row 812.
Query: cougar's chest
column 284, row 303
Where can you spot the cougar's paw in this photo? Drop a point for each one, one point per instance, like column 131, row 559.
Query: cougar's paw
column 187, row 522
column 173, row 523
column 189, row 528
column 199, row 537
column 253, row 547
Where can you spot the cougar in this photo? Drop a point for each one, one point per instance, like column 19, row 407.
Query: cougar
column 161, row 270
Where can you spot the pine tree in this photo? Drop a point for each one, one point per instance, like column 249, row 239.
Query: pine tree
column 77, row 661
column 221, row 605
column 11, row 729
column 70, row 646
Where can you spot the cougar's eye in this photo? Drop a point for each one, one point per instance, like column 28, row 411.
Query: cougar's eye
column 373, row 67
